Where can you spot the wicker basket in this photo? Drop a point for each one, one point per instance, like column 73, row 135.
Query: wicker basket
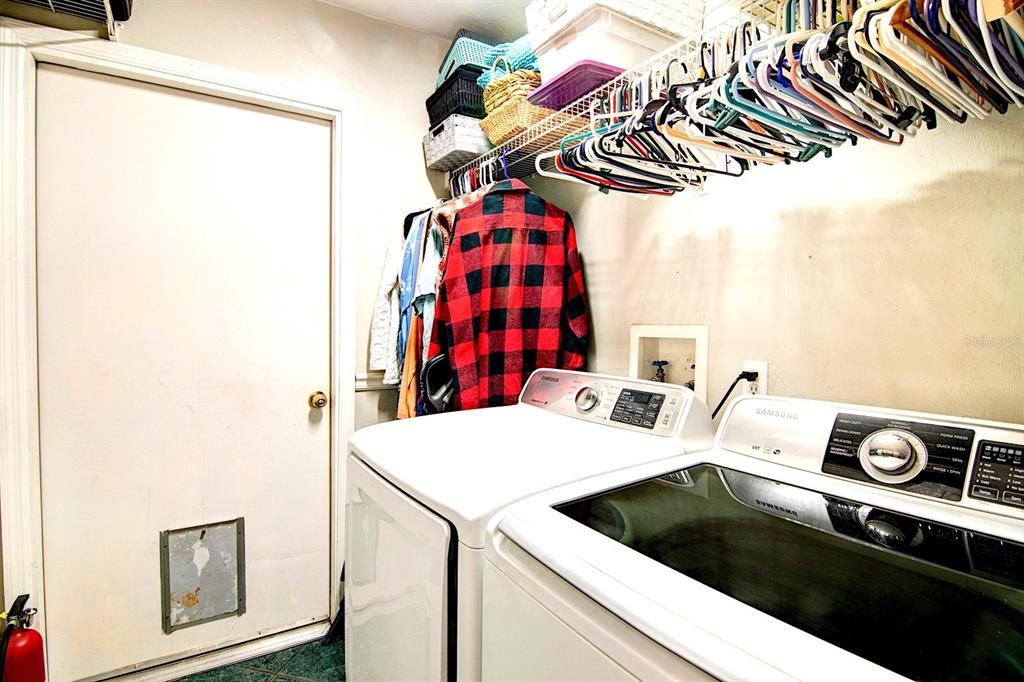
column 516, row 116
column 513, row 85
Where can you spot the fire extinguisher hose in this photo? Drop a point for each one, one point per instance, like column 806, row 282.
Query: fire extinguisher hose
column 8, row 631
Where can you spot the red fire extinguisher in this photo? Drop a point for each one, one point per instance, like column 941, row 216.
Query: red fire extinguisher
column 21, row 647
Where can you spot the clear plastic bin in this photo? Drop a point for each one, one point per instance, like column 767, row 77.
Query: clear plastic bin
column 677, row 18
column 603, row 34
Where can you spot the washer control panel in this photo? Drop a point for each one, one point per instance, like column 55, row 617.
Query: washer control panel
column 642, row 406
column 971, row 463
column 998, row 474
column 927, row 459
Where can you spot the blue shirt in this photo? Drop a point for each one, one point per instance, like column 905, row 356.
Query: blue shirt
column 412, row 254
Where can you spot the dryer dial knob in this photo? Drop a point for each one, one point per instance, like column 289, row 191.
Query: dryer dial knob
column 587, row 399
column 893, row 455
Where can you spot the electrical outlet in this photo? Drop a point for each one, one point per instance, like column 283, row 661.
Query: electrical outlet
column 761, row 385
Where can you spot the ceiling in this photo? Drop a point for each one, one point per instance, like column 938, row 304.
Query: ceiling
column 501, row 19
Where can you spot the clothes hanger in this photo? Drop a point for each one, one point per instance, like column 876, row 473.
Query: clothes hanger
column 931, row 21
column 920, row 68
column 834, row 105
column 834, row 73
column 966, row 37
column 777, row 115
column 864, row 52
column 1011, row 78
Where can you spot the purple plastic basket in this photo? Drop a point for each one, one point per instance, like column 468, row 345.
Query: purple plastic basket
column 573, row 83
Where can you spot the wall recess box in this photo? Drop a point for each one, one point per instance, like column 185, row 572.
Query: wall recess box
column 684, row 346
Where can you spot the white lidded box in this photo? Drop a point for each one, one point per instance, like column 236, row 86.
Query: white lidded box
column 677, row 18
column 603, row 34
column 453, row 142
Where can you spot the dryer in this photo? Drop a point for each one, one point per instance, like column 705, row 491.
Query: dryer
column 816, row 541
column 420, row 493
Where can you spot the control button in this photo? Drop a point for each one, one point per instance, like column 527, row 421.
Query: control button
column 985, row 492
column 673, row 401
column 636, row 420
column 649, row 423
column 666, row 418
column 1013, row 498
column 587, row 399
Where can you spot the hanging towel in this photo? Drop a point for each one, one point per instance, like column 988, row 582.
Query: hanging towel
column 409, row 390
column 386, row 316
column 519, row 54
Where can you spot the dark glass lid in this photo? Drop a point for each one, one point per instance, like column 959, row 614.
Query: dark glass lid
column 925, row 600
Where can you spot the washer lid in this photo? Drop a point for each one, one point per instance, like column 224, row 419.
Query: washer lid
column 811, row 584
column 468, row 465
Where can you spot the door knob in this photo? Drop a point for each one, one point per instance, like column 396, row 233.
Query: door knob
column 318, row 400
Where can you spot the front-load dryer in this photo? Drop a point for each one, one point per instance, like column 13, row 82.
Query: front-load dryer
column 815, row 541
column 420, row 493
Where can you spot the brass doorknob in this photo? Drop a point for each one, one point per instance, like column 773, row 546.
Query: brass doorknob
column 318, row 400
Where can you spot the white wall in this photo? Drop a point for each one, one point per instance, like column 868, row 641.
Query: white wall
column 379, row 74
column 885, row 276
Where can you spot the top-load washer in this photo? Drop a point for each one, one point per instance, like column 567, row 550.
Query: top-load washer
column 815, row 541
column 420, row 493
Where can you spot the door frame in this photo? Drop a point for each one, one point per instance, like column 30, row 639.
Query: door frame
column 23, row 46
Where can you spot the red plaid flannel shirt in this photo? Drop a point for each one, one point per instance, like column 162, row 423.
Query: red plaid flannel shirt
column 512, row 298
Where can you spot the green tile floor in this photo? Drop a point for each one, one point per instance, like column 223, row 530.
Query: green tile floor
column 313, row 662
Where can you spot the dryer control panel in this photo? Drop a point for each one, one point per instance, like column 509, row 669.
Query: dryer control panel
column 643, row 406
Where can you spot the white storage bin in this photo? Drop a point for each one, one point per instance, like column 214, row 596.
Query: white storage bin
column 604, row 35
column 677, row 18
column 453, row 142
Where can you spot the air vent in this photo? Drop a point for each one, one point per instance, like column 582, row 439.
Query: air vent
column 94, row 10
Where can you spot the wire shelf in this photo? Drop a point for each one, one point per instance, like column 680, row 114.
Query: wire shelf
column 516, row 157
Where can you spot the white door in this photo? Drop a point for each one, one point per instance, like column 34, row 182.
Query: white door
column 183, row 293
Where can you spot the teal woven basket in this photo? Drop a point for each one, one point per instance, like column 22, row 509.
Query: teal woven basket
column 463, row 51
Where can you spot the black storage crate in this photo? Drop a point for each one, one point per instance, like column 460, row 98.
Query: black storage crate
column 458, row 95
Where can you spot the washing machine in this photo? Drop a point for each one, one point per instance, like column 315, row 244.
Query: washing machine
column 815, row 541
column 420, row 493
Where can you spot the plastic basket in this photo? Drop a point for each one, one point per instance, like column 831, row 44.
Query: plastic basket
column 453, row 142
column 678, row 18
column 466, row 33
column 463, row 50
column 458, row 95
column 605, row 34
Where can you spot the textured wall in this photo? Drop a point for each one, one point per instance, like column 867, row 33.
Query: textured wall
column 886, row 276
